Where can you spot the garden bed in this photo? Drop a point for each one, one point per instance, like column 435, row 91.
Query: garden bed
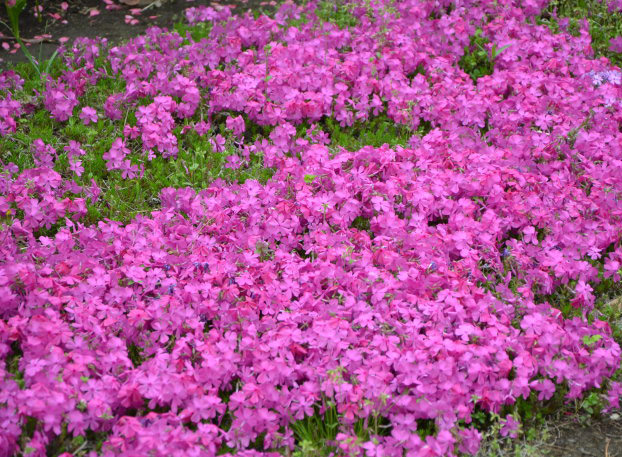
column 352, row 228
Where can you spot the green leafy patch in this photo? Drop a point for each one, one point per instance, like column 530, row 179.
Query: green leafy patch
column 477, row 61
column 604, row 24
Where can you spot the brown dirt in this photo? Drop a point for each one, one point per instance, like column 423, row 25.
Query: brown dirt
column 108, row 24
column 601, row 438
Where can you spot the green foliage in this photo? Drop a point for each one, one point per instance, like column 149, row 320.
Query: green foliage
column 604, row 25
column 12, row 364
column 194, row 32
column 374, row 132
column 338, row 12
column 592, row 404
column 477, row 61
column 134, row 353
column 590, row 340
column 361, row 223
column 13, row 12
column 313, row 433
column 309, row 178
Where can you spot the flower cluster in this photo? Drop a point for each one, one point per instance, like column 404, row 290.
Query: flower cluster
column 60, row 101
column 9, row 107
column 39, row 195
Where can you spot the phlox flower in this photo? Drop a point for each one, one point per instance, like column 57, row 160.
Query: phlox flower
column 218, row 143
column 131, row 132
column 236, row 124
column 9, row 109
column 44, row 154
column 469, row 440
column 510, row 427
column 612, row 269
column 613, row 395
column 354, row 277
column 88, row 115
column 614, row 6
column 116, row 154
column 233, row 162
column 583, row 295
column 615, row 44
column 94, row 191
column 75, row 166
column 73, row 149
column 545, row 387
column 112, row 108
column 60, row 102
column 530, row 235
column 202, row 127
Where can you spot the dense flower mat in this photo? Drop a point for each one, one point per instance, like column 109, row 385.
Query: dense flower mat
column 402, row 285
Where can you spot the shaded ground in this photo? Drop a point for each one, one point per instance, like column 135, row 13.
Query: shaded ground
column 601, row 438
column 109, row 24
column 565, row 436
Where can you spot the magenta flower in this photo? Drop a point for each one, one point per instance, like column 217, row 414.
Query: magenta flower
column 60, row 101
column 74, row 148
column 88, row 115
column 75, row 166
column 236, row 124
column 202, row 127
column 233, row 162
column 44, row 154
column 510, row 427
column 612, row 269
column 218, row 143
column 615, row 44
column 530, row 235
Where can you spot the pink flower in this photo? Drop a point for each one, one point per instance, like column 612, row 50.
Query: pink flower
column 612, row 269
column 615, row 44
column 116, row 154
column 403, row 280
column 218, row 143
column 94, row 191
column 74, row 148
column 75, row 165
column 88, row 115
column 60, row 101
column 530, row 235
column 613, row 395
column 233, row 162
column 44, row 154
column 131, row 20
column 510, row 427
column 202, row 127
column 236, row 124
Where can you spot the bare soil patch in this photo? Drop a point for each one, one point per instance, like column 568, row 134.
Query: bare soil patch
column 110, row 24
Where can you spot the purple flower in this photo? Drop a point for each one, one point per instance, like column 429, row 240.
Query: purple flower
column 88, row 115
column 615, row 44
column 510, row 427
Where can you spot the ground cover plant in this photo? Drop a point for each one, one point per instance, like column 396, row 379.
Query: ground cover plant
column 355, row 228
